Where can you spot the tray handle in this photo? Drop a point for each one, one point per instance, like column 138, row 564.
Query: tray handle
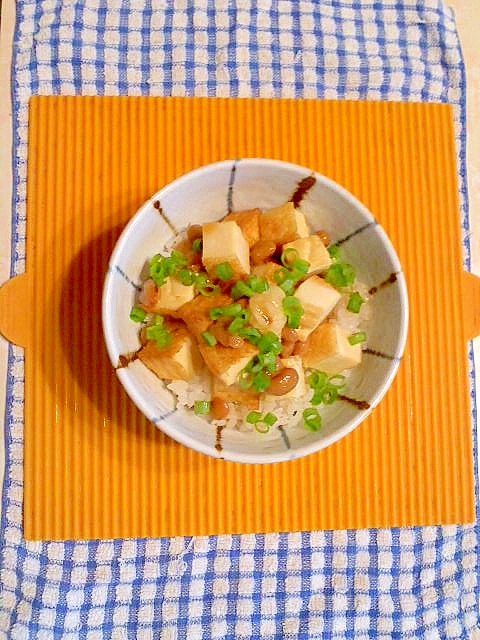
column 471, row 304
column 14, row 326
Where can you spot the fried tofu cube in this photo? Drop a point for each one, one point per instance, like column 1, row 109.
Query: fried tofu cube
column 179, row 361
column 300, row 389
column 225, row 242
column 248, row 221
column 313, row 251
column 234, row 393
column 317, row 298
column 226, row 362
column 167, row 298
column 283, row 224
column 195, row 313
column 329, row 350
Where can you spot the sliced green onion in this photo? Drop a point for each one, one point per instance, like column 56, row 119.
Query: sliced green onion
column 240, row 289
column 299, row 267
column 137, row 314
column 251, row 334
column 261, row 382
column 245, row 379
column 325, row 388
column 317, row 379
column 236, row 324
column 312, row 419
column 253, row 284
column 257, row 284
column 268, row 361
column 334, row 251
column 160, row 335
column 262, row 423
column 289, row 255
column 254, row 366
column 340, row 275
column 357, row 338
column 209, row 338
column 337, row 380
column 293, row 310
column 162, row 266
column 355, row 301
column 262, row 428
column 270, row 419
column 330, row 394
column 228, row 310
column 186, row 276
column 204, row 286
column 270, row 342
column 201, row 407
column 158, row 320
column 197, row 245
column 288, row 287
column 224, row 271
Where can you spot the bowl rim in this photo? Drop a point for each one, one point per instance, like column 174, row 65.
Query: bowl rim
column 247, row 457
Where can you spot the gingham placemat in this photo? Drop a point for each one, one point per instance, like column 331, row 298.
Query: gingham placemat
column 388, row 583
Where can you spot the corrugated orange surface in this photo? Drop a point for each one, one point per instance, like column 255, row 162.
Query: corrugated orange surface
column 93, row 466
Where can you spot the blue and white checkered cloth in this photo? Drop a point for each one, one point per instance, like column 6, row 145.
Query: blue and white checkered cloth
column 387, row 583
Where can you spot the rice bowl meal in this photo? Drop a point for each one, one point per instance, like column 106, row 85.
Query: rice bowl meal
column 254, row 320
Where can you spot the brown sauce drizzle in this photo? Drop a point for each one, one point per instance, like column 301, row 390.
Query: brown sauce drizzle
column 302, row 187
column 218, row 438
column 158, row 207
column 363, row 405
column 390, row 280
column 124, row 361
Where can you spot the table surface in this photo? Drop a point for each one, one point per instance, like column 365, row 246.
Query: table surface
column 467, row 14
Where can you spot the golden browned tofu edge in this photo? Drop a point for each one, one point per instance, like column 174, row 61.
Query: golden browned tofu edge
column 219, row 358
column 248, row 221
column 195, row 313
column 234, row 393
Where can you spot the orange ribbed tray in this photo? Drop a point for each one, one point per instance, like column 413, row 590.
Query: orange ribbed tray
column 93, row 466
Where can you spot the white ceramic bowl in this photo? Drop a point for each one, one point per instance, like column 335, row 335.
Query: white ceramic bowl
column 207, row 194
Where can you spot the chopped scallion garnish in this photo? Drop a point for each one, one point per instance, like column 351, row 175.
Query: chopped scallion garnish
column 209, row 338
column 137, row 314
column 224, row 271
column 159, row 334
column 232, row 310
column 270, row 419
column 289, row 255
column 197, row 245
column 357, row 338
column 334, row 251
column 251, row 334
column 312, row 419
column 236, row 325
column 260, row 382
column 355, row 301
column 186, row 276
column 201, row 407
column 293, row 310
column 204, row 286
column 325, row 389
column 340, row 275
column 163, row 266
column 270, row 342
column 262, row 423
